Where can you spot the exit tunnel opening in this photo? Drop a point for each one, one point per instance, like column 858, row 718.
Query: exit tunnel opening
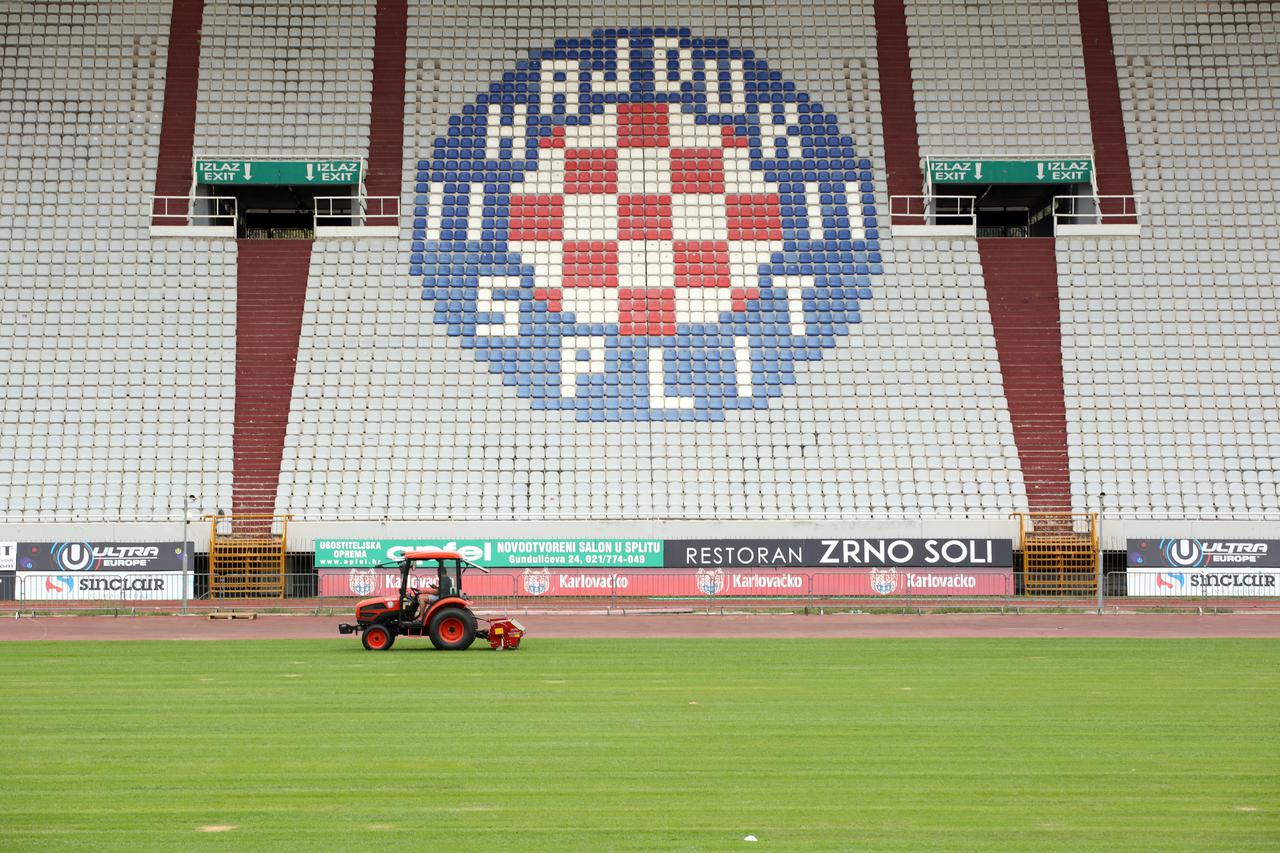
column 279, row 212
column 1014, row 210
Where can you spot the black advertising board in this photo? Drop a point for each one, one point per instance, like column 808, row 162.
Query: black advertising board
column 862, row 553
column 90, row 556
column 6, row 586
column 1204, row 553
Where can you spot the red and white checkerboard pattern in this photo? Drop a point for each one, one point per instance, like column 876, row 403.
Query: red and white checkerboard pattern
column 645, row 218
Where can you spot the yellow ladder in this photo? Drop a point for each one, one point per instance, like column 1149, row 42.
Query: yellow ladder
column 247, row 555
column 1059, row 551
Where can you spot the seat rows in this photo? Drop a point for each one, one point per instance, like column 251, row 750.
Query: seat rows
column 1171, row 358
column 117, row 352
column 1003, row 80
column 280, row 79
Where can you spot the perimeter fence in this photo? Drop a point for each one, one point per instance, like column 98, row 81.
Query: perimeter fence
column 562, row 590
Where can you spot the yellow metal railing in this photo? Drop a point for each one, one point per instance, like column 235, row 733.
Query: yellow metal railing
column 247, row 555
column 1059, row 551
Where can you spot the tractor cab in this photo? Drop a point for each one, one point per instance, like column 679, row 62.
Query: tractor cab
column 442, row 613
column 448, row 572
column 422, row 570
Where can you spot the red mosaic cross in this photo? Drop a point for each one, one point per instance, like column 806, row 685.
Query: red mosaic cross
column 697, row 170
column 644, row 217
column 643, row 126
column 647, row 311
column 536, row 218
column 590, row 264
column 647, row 218
column 591, row 171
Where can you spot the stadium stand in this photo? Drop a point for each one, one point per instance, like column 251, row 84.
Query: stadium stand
column 1005, row 78
column 1173, row 404
column 906, row 436
column 109, row 411
column 281, row 78
column 139, row 371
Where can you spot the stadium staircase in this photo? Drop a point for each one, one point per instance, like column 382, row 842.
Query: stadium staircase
column 1106, row 115
column 182, row 78
column 897, row 100
column 1022, row 291
column 386, row 108
column 271, row 293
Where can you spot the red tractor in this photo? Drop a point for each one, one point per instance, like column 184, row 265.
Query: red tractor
column 443, row 614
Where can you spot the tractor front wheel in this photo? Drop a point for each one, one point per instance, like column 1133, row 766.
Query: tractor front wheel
column 377, row 638
column 452, row 629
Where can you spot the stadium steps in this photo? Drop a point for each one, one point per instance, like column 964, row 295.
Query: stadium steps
column 182, row 76
column 386, row 111
column 1106, row 117
column 1021, row 278
column 897, row 100
column 271, row 293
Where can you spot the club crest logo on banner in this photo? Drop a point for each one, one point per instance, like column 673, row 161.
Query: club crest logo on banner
column 536, row 582
column 645, row 225
column 884, row 581
column 710, row 581
column 362, row 582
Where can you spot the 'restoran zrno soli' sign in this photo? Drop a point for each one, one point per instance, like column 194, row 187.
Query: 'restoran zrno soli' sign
column 839, row 553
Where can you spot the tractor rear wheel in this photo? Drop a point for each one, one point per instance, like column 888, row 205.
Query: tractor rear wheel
column 377, row 638
column 452, row 629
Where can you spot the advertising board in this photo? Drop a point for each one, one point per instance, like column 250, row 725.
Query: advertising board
column 864, row 553
column 74, row 556
column 1177, row 568
column 495, row 553
column 687, row 583
column 1204, row 553
column 103, row 586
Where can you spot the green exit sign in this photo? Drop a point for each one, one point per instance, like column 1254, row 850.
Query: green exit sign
column 1077, row 170
column 277, row 172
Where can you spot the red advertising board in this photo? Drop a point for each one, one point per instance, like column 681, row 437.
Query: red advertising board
column 552, row 583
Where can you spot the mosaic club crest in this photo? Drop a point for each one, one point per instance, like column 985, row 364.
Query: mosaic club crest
column 645, row 225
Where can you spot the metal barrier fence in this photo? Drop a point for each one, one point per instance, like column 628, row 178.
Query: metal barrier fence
column 556, row 589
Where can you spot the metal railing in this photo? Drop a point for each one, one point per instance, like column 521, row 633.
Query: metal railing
column 560, row 590
column 364, row 212
column 1096, row 210
column 183, row 211
column 933, row 209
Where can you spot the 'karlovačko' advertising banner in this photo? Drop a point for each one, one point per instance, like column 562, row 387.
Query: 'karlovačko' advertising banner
column 839, row 553
column 495, row 553
column 686, row 583
column 88, row 570
column 1204, row 567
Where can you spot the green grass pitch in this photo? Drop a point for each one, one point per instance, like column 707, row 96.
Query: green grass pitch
column 642, row 745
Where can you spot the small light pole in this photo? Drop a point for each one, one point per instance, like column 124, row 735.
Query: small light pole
column 1102, row 498
column 187, row 568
